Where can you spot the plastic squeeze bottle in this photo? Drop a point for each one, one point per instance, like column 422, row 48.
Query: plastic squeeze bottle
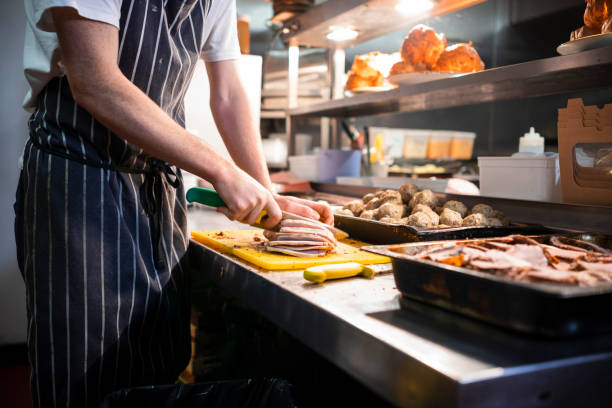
column 531, row 142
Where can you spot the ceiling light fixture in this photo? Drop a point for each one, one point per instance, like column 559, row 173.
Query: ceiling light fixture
column 339, row 34
column 413, row 7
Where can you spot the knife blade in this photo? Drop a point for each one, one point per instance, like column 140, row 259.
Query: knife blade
column 211, row 198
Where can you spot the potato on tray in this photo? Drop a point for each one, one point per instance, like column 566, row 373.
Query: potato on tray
column 421, row 210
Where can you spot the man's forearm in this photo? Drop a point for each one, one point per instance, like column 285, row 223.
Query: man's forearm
column 125, row 110
column 235, row 120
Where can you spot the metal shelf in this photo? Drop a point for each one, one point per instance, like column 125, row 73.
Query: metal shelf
column 311, row 28
column 585, row 70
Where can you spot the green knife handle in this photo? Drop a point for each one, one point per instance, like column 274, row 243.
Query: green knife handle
column 205, row 196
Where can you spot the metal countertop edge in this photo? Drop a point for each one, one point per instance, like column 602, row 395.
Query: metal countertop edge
column 377, row 364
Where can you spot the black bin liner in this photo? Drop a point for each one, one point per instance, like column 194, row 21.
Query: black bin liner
column 258, row 393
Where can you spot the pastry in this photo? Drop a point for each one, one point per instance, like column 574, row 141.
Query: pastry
column 423, row 45
column 459, row 58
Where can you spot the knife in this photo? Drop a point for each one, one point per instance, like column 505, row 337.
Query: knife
column 211, row 198
column 321, row 273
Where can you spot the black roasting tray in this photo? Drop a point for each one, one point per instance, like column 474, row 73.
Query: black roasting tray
column 376, row 232
column 547, row 309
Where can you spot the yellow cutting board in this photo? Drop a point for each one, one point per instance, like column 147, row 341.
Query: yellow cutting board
column 243, row 244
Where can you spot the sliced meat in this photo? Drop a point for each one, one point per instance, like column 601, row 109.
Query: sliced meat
column 594, row 267
column 496, row 245
column 560, row 253
column 529, row 253
column 301, row 248
column 435, row 249
column 313, row 231
column 277, row 236
column 304, row 224
column 311, row 253
column 444, row 254
column 498, row 260
column 553, row 275
column 299, row 244
column 576, row 245
column 301, row 238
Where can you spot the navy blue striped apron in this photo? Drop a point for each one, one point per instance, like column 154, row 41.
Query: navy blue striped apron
column 101, row 226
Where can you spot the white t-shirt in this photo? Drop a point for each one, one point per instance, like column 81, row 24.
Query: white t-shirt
column 41, row 59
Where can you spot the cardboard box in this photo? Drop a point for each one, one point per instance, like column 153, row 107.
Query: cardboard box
column 585, row 153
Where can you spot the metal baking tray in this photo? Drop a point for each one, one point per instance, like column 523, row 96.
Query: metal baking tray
column 376, row 232
column 547, row 309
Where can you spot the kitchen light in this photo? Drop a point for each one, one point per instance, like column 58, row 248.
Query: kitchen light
column 339, row 34
column 413, row 7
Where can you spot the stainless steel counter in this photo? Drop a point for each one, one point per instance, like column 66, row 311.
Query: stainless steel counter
column 412, row 354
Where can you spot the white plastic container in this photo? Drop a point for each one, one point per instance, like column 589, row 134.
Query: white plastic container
column 462, row 145
column 393, row 137
column 525, row 178
column 305, row 167
column 438, row 145
column 415, row 143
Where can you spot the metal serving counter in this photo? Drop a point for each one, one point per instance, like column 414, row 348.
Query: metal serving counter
column 412, row 354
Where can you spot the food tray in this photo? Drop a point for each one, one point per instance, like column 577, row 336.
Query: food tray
column 548, row 309
column 376, row 232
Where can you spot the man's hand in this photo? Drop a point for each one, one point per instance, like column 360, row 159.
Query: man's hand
column 316, row 211
column 246, row 198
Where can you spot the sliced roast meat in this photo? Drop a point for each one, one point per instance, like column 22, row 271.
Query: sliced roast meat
column 495, row 260
column 598, row 267
column 294, row 230
column 553, row 275
column 576, row 245
column 302, row 248
column 303, row 224
column 301, row 238
column 277, row 236
column 529, row 253
column 562, row 254
column 301, row 244
column 311, row 253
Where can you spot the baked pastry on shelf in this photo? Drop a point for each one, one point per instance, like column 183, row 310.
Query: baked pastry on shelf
column 597, row 19
column 459, row 58
column 369, row 70
column 423, row 45
column 403, row 67
column 356, row 81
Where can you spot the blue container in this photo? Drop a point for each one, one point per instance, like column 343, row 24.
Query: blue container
column 338, row 163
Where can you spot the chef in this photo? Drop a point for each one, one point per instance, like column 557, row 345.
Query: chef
column 100, row 210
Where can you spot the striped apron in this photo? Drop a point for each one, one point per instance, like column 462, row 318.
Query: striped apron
column 101, row 226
